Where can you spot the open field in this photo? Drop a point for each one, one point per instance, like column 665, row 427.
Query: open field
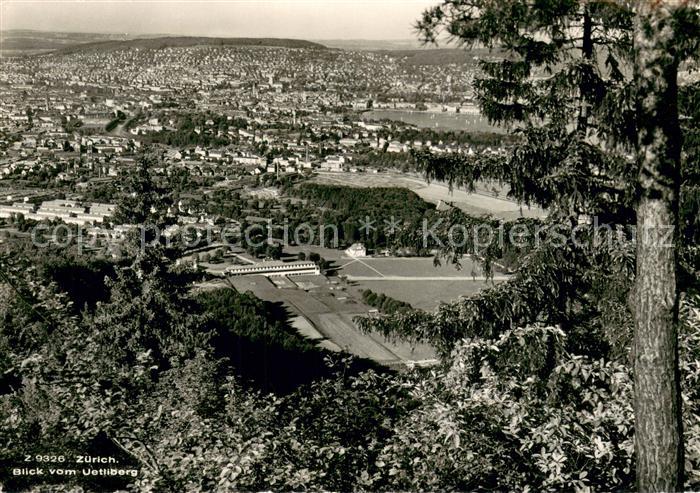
column 326, row 253
column 326, row 313
column 322, row 308
column 406, row 266
column 341, row 330
column 476, row 204
column 414, row 280
column 424, row 295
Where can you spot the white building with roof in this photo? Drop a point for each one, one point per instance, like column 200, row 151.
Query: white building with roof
column 356, row 250
column 275, row 268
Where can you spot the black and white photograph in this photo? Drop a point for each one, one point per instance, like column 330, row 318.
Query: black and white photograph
column 349, row 246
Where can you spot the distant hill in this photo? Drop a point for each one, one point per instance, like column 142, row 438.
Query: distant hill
column 410, row 44
column 19, row 41
column 185, row 41
column 372, row 44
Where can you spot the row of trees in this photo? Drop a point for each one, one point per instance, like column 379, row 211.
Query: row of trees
column 384, row 303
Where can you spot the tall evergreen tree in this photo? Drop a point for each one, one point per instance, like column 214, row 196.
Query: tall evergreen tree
column 665, row 34
column 591, row 88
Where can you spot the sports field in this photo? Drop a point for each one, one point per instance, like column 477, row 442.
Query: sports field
column 424, row 295
column 415, row 280
column 323, row 308
column 405, row 266
column 325, row 314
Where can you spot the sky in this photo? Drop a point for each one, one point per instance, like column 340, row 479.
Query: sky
column 301, row 19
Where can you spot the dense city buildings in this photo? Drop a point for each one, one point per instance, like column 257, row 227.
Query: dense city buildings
column 234, row 116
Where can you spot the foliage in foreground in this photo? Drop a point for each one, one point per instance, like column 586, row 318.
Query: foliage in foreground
column 521, row 410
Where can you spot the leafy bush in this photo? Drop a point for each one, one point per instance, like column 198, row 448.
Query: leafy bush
column 522, row 413
column 142, row 375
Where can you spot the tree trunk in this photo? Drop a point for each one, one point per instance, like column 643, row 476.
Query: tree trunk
column 587, row 55
column 657, row 403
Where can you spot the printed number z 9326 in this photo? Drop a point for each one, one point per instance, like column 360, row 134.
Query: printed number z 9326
column 44, row 458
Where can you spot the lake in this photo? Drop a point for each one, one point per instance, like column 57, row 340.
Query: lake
column 426, row 119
